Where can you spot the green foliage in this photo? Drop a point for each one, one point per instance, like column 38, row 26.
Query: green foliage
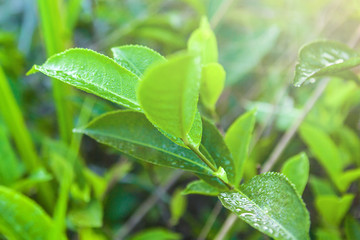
column 296, row 169
column 22, row 218
column 238, row 138
column 177, row 206
column 94, row 73
column 178, row 109
column 168, row 94
column 156, row 233
column 270, row 203
column 201, row 187
column 325, row 58
column 333, row 209
column 131, row 133
column 136, row 58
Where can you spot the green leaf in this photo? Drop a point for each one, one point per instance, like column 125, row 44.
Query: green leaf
column 270, row 203
column 93, row 73
column 200, row 187
column 324, row 149
column 136, row 58
column 10, row 167
column 352, row 228
column 21, row 218
column 324, row 58
column 203, row 42
column 177, row 206
column 168, row 94
column 212, row 84
column 89, row 215
column 347, row 178
column 321, row 187
column 333, row 209
column 238, row 138
column 35, row 178
column 131, row 133
column 327, row 234
column 156, row 233
column 296, row 169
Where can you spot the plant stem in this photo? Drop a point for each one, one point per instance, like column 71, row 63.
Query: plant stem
column 202, row 157
column 208, row 163
column 52, row 26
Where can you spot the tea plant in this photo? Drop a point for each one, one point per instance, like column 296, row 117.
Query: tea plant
column 168, row 118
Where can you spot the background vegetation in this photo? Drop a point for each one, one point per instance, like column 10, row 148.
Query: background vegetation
column 106, row 195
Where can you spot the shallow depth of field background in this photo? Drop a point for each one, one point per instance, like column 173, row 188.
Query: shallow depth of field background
column 258, row 43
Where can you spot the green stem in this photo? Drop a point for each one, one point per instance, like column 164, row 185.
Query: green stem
column 13, row 117
column 52, row 26
column 208, row 163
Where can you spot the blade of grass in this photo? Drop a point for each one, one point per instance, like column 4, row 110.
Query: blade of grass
column 56, row 40
column 14, row 119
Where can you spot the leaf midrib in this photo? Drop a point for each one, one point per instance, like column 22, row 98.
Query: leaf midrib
column 87, row 131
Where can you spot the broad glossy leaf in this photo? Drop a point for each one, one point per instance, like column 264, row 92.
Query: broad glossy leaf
column 332, row 208
column 324, row 149
column 212, row 84
column 238, row 138
column 324, row 58
column 270, row 203
column 136, row 58
column 296, row 169
column 168, row 94
column 21, row 218
column 156, row 233
column 178, row 205
column 203, row 42
column 93, row 73
column 131, row 133
column 200, row 187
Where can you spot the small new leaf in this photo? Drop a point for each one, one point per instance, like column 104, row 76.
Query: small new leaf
column 168, row 94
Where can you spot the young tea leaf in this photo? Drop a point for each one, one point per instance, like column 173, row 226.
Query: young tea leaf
column 177, row 206
column 168, row 94
column 212, row 84
column 200, row 187
column 203, row 42
column 269, row 203
column 21, row 218
column 131, row 133
column 324, row 149
column 93, row 73
column 296, row 169
column 324, row 58
column 136, row 58
column 238, row 138
column 333, row 209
